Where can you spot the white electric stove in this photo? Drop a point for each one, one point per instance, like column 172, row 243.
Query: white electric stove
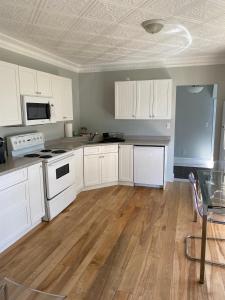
column 58, row 166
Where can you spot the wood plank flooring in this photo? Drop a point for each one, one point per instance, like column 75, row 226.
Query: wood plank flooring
column 119, row 243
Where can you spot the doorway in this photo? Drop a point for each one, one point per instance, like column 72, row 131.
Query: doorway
column 194, row 128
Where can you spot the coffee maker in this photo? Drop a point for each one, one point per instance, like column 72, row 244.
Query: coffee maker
column 2, row 151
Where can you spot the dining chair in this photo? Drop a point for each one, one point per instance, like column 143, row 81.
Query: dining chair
column 216, row 216
column 11, row 290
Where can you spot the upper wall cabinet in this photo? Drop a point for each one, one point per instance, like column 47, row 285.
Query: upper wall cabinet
column 62, row 93
column 147, row 99
column 10, row 111
column 34, row 82
column 125, row 99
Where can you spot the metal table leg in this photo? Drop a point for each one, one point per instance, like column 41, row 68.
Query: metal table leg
column 203, row 248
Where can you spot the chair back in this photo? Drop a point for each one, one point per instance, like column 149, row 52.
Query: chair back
column 195, row 197
column 11, row 290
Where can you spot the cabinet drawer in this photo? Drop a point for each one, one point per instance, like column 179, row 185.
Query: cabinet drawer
column 109, row 148
column 92, row 150
column 12, row 178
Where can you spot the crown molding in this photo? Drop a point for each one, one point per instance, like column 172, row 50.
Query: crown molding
column 169, row 63
column 14, row 45
column 26, row 49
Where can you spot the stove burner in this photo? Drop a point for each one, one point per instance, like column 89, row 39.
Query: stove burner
column 32, row 155
column 46, row 156
column 59, row 151
column 46, row 150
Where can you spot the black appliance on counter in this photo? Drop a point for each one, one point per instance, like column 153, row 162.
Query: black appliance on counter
column 2, row 151
column 113, row 137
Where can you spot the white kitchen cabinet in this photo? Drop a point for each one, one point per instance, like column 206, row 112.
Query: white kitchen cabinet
column 67, row 99
column 100, row 165
column 79, row 169
column 149, row 165
column 34, row 83
column 125, row 99
column 28, row 81
column 147, row 99
column 14, row 214
column 126, row 157
column 92, row 170
column 62, row 93
column 44, row 86
column 10, row 111
column 36, row 192
column 144, row 99
column 162, row 99
column 109, row 167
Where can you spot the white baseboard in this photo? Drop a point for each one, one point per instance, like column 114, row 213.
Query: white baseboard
column 99, row 186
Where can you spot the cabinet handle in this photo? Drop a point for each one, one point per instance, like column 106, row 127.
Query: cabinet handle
column 133, row 116
column 64, row 117
column 39, row 93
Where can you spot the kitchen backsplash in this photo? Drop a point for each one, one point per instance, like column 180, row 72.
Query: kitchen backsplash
column 51, row 131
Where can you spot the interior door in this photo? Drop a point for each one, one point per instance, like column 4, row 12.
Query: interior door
column 109, row 167
column 144, row 99
column 10, row 108
column 125, row 99
column 162, row 99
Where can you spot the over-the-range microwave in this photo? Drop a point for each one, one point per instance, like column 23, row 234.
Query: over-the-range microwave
column 38, row 110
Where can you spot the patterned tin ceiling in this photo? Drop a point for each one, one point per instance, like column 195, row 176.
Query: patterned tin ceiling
column 95, row 32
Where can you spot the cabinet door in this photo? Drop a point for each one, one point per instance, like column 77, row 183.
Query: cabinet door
column 109, row 167
column 162, row 99
column 125, row 99
column 57, row 91
column 28, row 81
column 126, row 158
column 144, row 99
column 67, row 99
column 92, row 170
column 79, row 169
column 10, row 108
column 14, row 214
column 36, row 192
column 44, row 87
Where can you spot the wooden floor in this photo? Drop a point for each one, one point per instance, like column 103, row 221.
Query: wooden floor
column 118, row 243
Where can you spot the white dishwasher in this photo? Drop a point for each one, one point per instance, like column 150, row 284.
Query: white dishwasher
column 149, row 165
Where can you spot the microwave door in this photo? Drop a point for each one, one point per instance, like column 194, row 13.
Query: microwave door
column 37, row 113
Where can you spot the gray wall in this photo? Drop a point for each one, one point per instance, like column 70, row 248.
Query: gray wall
column 51, row 131
column 96, row 93
column 194, row 124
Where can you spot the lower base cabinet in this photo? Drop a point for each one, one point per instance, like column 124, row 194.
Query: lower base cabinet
column 36, row 193
column 102, row 167
column 126, row 166
column 79, row 169
column 21, row 202
column 14, row 213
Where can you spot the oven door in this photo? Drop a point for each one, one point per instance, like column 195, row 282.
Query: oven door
column 37, row 110
column 60, row 175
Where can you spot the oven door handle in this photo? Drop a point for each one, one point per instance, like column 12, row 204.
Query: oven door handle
column 60, row 159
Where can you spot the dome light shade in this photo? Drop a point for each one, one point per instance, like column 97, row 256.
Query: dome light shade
column 195, row 89
column 153, row 26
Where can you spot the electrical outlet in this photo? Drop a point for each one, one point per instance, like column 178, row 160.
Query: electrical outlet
column 168, row 125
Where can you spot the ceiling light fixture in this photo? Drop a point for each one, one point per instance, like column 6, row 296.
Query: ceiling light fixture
column 195, row 89
column 153, row 26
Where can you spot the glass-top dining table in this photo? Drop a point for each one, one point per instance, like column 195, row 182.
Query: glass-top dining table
column 211, row 183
